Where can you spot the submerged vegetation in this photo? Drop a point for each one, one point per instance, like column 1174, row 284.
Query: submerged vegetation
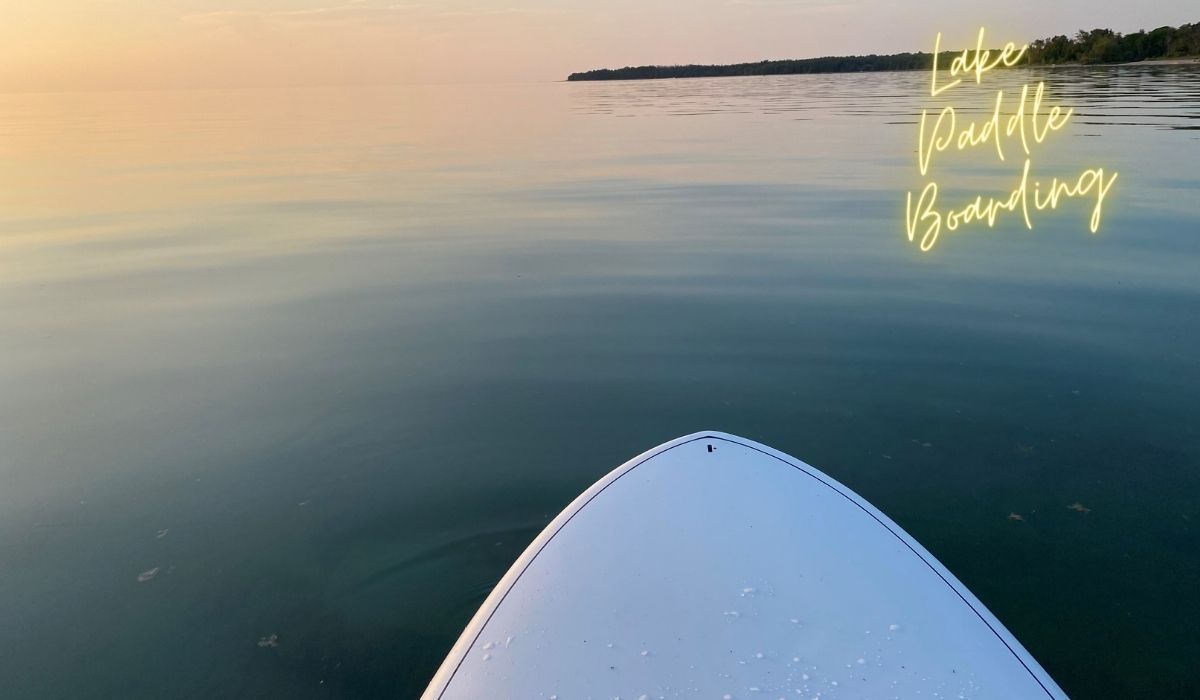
column 1089, row 47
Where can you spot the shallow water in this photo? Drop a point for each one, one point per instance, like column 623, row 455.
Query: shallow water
column 325, row 360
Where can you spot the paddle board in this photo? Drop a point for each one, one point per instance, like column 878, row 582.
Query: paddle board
column 715, row 567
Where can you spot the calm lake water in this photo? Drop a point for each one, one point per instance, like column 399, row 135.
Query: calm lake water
column 316, row 364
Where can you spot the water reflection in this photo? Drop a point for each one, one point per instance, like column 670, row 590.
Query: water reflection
column 351, row 348
column 1127, row 96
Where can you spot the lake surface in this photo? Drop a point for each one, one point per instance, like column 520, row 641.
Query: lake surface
column 314, row 365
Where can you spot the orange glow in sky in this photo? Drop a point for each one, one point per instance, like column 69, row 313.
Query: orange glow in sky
column 150, row 44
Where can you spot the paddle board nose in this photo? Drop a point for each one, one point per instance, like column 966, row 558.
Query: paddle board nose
column 714, row 566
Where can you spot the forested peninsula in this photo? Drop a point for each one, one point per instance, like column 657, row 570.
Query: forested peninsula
column 1097, row 46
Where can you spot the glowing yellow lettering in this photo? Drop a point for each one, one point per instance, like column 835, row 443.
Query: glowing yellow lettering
column 1094, row 223
column 933, row 88
column 924, row 211
column 1088, row 179
column 990, row 130
column 1017, row 120
column 924, row 221
column 924, row 153
column 978, row 61
column 1053, row 123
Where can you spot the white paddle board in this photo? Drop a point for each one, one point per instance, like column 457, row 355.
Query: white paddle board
column 716, row 567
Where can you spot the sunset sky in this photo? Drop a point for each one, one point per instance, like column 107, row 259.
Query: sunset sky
column 151, row 44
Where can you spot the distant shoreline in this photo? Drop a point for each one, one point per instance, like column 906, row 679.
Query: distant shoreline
column 1186, row 61
column 1098, row 47
column 585, row 77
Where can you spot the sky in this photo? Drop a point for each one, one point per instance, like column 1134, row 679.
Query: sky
column 49, row 45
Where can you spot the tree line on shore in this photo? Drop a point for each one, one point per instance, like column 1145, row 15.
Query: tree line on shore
column 1107, row 46
column 1086, row 47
